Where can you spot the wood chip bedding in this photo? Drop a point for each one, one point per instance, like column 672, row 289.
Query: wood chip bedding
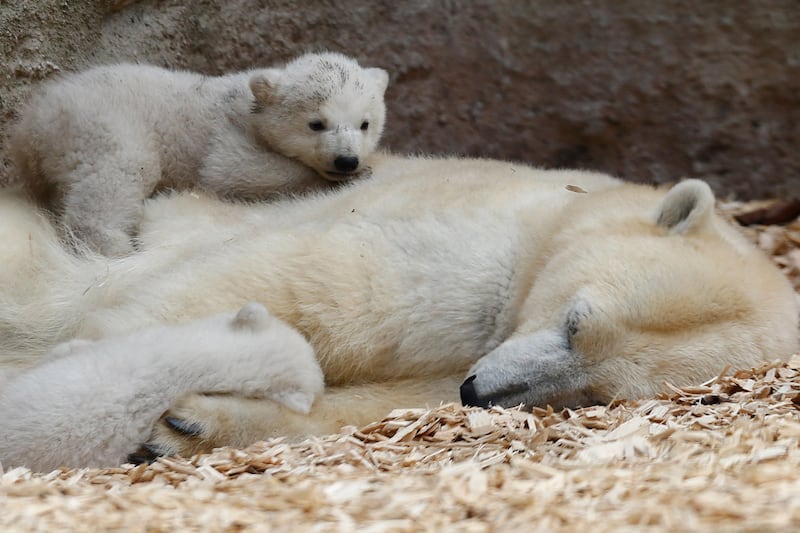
column 723, row 455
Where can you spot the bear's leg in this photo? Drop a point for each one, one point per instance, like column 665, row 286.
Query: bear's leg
column 197, row 423
column 102, row 203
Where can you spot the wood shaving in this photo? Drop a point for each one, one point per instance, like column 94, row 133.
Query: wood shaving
column 575, row 188
column 719, row 456
column 781, row 242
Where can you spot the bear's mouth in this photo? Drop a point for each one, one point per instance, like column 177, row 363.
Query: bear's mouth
column 339, row 176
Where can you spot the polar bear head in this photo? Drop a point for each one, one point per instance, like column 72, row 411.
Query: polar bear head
column 322, row 109
column 640, row 289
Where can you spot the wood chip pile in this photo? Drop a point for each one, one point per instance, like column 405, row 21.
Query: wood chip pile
column 720, row 456
column 775, row 228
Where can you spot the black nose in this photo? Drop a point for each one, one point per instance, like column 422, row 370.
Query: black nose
column 345, row 164
column 469, row 396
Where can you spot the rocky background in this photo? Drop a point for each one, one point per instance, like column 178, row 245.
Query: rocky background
column 650, row 91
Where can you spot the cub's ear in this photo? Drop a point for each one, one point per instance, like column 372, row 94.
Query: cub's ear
column 252, row 316
column 687, row 208
column 381, row 78
column 263, row 85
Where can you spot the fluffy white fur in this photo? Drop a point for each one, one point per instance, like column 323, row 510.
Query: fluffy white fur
column 405, row 284
column 88, row 401
column 93, row 145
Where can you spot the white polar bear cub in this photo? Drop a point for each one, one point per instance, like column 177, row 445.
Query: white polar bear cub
column 139, row 375
column 93, row 145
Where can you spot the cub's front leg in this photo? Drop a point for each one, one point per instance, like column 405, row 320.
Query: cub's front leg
column 198, row 423
column 239, row 167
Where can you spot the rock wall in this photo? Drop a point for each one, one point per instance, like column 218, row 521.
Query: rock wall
column 650, row 91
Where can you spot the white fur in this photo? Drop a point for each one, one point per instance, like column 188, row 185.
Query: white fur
column 91, row 146
column 431, row 271
column 92, row 403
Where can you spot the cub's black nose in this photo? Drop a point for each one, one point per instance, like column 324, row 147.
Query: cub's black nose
column 345, row 164
column 469, row 396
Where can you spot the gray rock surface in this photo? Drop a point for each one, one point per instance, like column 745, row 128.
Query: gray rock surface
column 650, row 91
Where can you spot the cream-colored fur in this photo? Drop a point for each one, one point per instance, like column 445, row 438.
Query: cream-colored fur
column 405, row 284
column 93, row 145
column 87, row 401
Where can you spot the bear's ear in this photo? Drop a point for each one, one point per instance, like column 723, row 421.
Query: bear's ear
column 381, row 78
column 263, row 85
column 252, row 316
column 687, row 207
column 578, row 310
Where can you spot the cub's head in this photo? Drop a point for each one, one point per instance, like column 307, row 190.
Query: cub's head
column 639, row 289
column 322, row 109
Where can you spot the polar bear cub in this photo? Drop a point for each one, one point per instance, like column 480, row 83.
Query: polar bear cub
column 93, row 145
column 138, row 376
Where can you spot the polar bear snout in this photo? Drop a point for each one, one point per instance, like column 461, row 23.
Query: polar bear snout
column 510, row 395
column 356, row 169
column 536, row 370
column 345, row 163
column 469, row 395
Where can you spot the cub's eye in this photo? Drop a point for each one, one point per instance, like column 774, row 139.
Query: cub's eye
column 316, row 125
column 364, row 126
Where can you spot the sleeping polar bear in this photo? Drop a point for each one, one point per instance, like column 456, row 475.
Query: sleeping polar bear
column 508, row 283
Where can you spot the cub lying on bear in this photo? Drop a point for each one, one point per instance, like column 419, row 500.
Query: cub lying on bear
column 434, row 275
column 93, row 145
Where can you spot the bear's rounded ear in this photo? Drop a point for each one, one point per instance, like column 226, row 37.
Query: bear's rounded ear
column 263, row 85
column 687, row 207
column 252, row 316
column 577, row 311
column 381, row 78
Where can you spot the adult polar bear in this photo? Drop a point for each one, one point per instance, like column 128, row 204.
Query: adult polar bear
column 405, row 284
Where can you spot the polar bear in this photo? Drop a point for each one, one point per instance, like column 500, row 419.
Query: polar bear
column 433, row 280
column 243, row 353
column 93, row 145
